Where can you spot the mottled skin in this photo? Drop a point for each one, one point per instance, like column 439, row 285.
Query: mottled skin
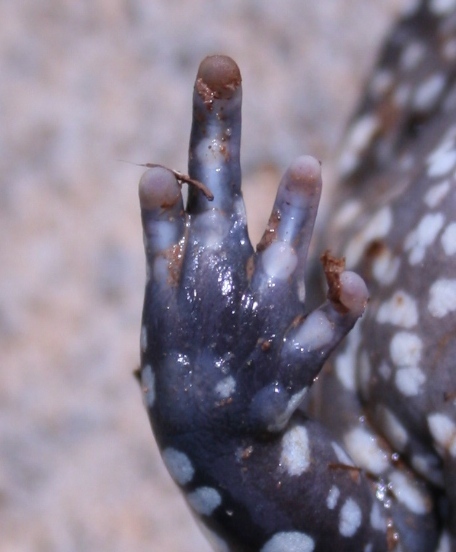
column 229, row 350
column 400, row 172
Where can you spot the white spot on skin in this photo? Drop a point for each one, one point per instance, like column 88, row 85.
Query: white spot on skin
column 409, row 494
column 448, row 239
column 443, row 431
column 359, row 137
column 289, row 541
column 143, row 340
column 204, row 500
column 284, row 417
column 377, row 520
column 419, row 239
column 378, row 227
column 295, row 455
column 342, row 456
column 315, row 332
column 347, row 213
column 211, row 227
column 226, row 387
column 412, row 55
column 392, row 428
column 279, row 260
column 444, row 543
column 436, row 194
column 400, row 310
column 365, row 450
column 405, row 349
column 428, row 92
column 442, row 297
column 385, row 370
column 443, row 159
column 178, row 465
column 345, row 362
column 409, row 381
column 350, row 518
column 385, row 267
column 442, row 7
column 148, row 386
column 333, row 497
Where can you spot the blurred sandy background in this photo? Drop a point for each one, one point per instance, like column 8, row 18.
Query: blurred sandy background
column 84, row 85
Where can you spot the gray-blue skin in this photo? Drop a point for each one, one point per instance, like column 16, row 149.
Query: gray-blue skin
column 229, row 350
column 399, row 172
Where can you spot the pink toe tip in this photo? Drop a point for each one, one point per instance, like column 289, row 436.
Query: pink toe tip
column 158, row 189
column 353, row 292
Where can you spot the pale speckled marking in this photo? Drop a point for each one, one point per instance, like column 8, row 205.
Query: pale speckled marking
column 148, row 386
column 408, row 493
column 315, row 332
column 342, row 456
column 289, row 541
column 378, row 227
column 143, row 340
column 448, row 239
column 428, row 91
column 204, row 500
column 412, row 55
column 350, row 518
column 365, row 450
column 211, row 227
column 346, row 361
column 405, row 349
column 401, row 310
column 419, row 239
column 358, row 138
column 226, row 387
column 333, row 497
column 377, row 520
column 442, row 297
column 444, row 543
column 295, row 455
column 385, row 370
column 443, row 431
column 385, row 267
column 395, row 432
column 178, row 465
column 442, row 160
column 279, row 260
column 409, row 381
column 442, row 7
column 347, row 213
column 436, row 194
column 282, row 420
